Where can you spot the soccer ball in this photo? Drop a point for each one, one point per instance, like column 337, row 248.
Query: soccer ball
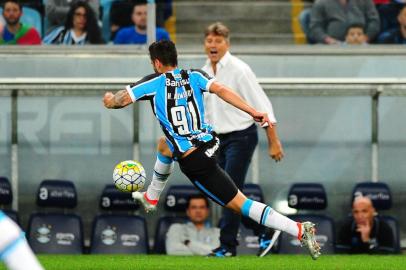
column 129, row 176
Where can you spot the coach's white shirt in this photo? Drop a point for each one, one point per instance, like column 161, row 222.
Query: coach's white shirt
column 237, row 75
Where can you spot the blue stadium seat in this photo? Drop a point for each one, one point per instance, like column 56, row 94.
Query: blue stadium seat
column 33, row 18
column 381, row 197
column 56, row 233
column 6, row 198
column 106, row 7
column 175, row 202
column 118, row 233
column 309, row 196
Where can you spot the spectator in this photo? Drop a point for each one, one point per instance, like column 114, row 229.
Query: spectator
column 365, row 232
column 355, row 35
column 236, row 130
column 120, row 16
column 304, row 20
column 330, row 19
column 194, row 237
column 398, row 35
column 388, row 11
column 57, row 10
column 80, row 27
column 137, row 34
column 14, row 32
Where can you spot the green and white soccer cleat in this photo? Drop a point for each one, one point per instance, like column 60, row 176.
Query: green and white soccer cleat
column 140, row 197
column 308, row 239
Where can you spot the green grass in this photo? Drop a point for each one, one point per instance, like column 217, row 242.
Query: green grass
column 272, row 262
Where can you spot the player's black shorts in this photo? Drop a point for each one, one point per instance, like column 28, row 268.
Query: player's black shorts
column 203, row 171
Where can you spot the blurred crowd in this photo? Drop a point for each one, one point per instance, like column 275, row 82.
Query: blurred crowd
column 79, row 22
column 350, row 22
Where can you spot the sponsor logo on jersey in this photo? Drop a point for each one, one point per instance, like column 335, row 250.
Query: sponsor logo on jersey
column 178, row 83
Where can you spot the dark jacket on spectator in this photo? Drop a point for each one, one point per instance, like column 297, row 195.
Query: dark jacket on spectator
column 393, row 36
column 381, row 238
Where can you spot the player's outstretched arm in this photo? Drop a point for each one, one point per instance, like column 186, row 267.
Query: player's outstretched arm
column 117, row 100
column 229, row 96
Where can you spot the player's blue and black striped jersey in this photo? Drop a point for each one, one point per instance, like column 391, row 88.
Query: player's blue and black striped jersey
column 177, row 102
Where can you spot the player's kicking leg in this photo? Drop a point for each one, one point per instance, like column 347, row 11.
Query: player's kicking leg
column 203, row 171
column 14, row 249
column 162, row 169
column 265, row 215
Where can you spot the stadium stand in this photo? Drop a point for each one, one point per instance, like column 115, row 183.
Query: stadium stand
column 6, row 198
column 252, row 22
column 175, row 203
column 56, row 233
column 381, row 197
column 309, row 196
column 118, row 233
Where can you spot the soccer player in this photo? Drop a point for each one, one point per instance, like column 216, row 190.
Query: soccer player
column 176, row 97
column 14, row 249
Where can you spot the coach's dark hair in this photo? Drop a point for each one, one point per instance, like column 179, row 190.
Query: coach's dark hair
column 17, row 2
column 218, row 29
column 165, row 52
column 92, row 28
column 198, row 196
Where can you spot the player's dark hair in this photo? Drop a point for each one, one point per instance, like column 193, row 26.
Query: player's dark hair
column 198, row 196
column 92, row 28
column 17, row 2
column 218, row 29
column 165, row 52
column 356, row 25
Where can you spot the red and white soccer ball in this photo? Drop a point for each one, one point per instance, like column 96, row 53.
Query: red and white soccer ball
column 129, row 176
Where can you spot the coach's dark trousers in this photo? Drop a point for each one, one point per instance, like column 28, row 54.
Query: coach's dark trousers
column 235, row 153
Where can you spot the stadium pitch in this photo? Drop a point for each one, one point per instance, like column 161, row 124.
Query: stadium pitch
column 272, row 262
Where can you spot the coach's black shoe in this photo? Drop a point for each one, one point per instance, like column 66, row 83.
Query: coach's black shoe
column 222, row 252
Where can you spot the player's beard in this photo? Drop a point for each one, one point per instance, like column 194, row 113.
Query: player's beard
column 13, row 22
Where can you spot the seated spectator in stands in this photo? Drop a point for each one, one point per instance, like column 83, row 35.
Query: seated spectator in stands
column 14, row 32
column 388, row 11
column 137, row 34
column 57, row 10
column 366, row 233
column 194, row 237
column 120, row 16
column 330, row 18
column 398, row 35
column 80, row 27
column 304, row 20
column 355, row 35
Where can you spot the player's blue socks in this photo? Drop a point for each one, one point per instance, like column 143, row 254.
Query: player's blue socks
column 268, row 217
column 162, row 169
